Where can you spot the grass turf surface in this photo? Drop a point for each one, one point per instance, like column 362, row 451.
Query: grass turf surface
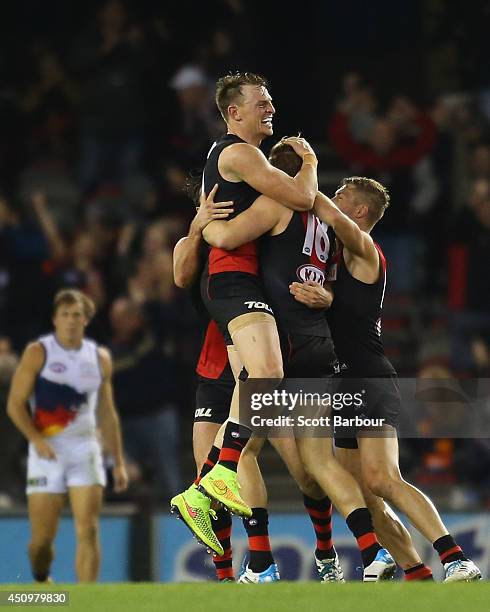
column 282, row 597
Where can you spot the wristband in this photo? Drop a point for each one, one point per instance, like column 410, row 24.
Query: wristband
column 313, row 161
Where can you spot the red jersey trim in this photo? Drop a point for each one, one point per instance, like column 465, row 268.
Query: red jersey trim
column 382, row 257
column 214, row 355
column 242, row 259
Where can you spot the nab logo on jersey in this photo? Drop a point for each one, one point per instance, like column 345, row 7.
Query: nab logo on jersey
column 308, row 272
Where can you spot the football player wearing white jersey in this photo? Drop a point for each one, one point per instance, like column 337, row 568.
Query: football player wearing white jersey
column 65, row 380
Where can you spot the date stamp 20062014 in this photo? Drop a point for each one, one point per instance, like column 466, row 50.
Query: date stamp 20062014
column 34, row 598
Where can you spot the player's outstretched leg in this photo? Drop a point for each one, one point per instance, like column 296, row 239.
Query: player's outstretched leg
column 380, row 472
column 319, row 509
column 257, row 349
column 345, row 493
column 194, row 509
column 221, row 483
column 391, row 532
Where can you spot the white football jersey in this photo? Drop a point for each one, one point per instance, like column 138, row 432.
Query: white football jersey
column 64, row 400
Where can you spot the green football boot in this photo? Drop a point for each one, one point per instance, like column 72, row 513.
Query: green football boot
column 194, row 508
column 220, row 484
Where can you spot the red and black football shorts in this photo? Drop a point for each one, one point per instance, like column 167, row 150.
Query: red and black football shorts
column 213, row 398
column 228, row 295
column 381, row 400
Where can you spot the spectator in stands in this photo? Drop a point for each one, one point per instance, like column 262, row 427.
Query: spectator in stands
column 11, row 441
column 469, row 283
column 49, row 104
column 144, row 387
column 197, row 123
column 23, row 249
column 110, row 61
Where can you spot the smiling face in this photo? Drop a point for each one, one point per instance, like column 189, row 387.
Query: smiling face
column 252, row 114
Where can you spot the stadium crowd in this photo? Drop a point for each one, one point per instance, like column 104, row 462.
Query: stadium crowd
column 101, row 126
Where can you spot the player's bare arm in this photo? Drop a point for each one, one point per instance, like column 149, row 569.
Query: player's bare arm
column 354, row 239
column 109, row 422
column 260, row 218
column 21, row 389
column 313, row 295
column 187, row 250
column 244, row 162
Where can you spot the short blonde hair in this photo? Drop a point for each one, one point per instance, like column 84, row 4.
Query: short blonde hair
column 375, row 194
column 229, row 89
column 68, row 297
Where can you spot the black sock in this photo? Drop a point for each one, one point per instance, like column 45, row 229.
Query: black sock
column 448, row 550
column 360, row 523
column 222, row 530
column 210, row 462
column 40, row 576
column 320, row 512
column 234, row 439
column 257, row 528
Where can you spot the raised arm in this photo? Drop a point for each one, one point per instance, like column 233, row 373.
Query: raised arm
column 21, row 389
column 359, row 243
column 258, row 219
column 244, row 162
column 109, row 423
column 48, row 226
column 187, row 250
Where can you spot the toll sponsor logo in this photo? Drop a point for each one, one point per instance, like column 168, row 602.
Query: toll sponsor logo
column 203, row 413
column 307, row 272
column 259, row 305
column 57, row 367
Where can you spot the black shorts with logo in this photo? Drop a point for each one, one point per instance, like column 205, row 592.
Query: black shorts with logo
column 306, row 356
column 213, row 399
column 228, row 295
column 382, row 401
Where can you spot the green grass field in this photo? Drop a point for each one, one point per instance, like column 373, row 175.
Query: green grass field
column 282, row 597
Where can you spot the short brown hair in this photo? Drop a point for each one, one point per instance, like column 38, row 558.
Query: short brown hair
column 228, row 89
column 68, row 297
column 284, row 157
column 376, row 195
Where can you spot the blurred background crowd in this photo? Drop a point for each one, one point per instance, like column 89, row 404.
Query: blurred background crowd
column 106, row 107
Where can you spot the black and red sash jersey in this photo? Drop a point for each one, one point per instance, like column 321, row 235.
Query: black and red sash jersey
column 243, row 258
column 300, row 253
column 355, row 320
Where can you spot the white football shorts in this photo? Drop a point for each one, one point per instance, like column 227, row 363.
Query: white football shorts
column 78, row 463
